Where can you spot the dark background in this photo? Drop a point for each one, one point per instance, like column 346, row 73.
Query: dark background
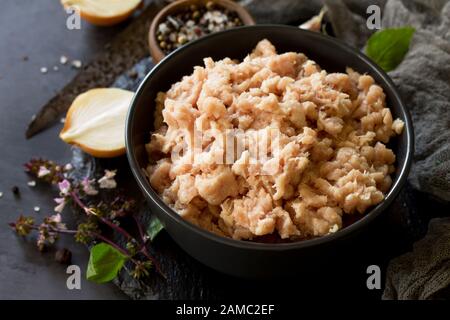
column 37, row 30
column 34, row 35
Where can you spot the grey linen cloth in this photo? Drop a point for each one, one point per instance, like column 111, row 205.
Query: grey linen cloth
column 424, row 77
column 423, row 80
column 423, row 273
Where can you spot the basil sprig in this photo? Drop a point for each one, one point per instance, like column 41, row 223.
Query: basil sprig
column 104, row 263
column 154, row 228
column 388, row 47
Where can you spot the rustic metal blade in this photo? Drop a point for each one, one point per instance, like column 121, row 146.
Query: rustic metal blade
column 128, row 48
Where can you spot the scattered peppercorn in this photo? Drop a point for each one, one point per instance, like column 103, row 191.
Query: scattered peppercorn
column 77, row 64
column 182, row 39
column 194, row 22
column 63, row 59
column 210, row 5
column 16, row 191
column 63, row 256
column 133, row 74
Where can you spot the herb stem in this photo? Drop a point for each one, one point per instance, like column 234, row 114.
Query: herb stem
column 64, row 231
column 58, row 230
column 79, row 202
column 153, row 260
column 144, row 250
column 74, row 191
column 111, row 243
column 115, row 227
column 141, row 232
column 102, row 219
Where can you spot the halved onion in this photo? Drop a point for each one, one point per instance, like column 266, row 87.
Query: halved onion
column 96, row 122
column 104, row 12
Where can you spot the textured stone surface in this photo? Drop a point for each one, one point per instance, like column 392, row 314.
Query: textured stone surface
column 37, row 29
column 25, row 273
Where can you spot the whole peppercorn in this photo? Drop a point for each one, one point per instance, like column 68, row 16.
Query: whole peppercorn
column 182, row 39
column 210, row 5
column 16, row 191
column 63, row 256
column 192, row 22
column 133, row 74
column 196, row 14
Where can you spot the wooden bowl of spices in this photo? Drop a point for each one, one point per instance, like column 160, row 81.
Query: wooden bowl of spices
column 186, row 20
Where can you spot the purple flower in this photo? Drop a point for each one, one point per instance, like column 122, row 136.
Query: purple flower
column 41, row 241
column 56, row 218
column 61, row 204
column 43, row 171
column 88, row 187
column 108, row 181
column 55, row 221
column 64, row 187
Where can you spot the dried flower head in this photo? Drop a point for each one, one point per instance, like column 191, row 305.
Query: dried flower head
column 49, row 231
column 132, row 247
column 141, row 269
column 108, row 181
column 104, row 212
column 88, row 187
column 45, row 170
column 55, row 222
column 85, row 231
column 23, row 225
column 120, row 207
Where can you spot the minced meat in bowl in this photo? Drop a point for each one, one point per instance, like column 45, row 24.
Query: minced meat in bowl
column 271, row 145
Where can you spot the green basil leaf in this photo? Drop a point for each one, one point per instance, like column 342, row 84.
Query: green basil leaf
column 154, row 228
column 104, row 263
column 388, row 47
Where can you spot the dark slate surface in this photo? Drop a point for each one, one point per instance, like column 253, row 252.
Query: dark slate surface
column 39, row 32
column 37, row 29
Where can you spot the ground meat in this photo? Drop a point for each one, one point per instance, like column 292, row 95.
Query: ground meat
column 272, row 144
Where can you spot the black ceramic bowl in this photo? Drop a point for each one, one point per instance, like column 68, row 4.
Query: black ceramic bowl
column 242, row 258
